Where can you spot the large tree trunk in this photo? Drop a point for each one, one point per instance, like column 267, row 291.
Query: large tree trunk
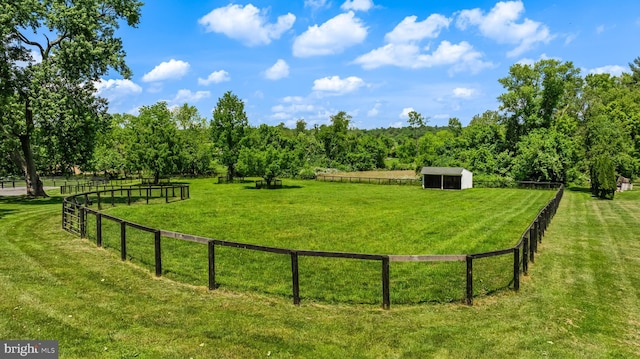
column 26, row 161
column 34, row 184
column 231, row 172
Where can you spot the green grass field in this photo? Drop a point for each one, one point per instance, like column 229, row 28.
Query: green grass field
column 335, row 217
column 579, row 301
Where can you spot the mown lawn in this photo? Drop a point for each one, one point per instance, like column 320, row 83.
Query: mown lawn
column 336, row 217
column 579, row 301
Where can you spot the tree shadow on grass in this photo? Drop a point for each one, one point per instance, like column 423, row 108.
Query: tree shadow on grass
column 579, row 189
column 283, row 187
column 5, row 212
column 26, row 200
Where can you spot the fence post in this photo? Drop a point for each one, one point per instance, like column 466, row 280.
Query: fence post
column 532, row 242
column 147, row 194
column 99, row 204
column 525, row 254
column 166, row 194
column 158, row 252
column 386, row 300
column 128, row 196
column 123, row 241
column 295, row 278
column 113, row 200
column 99, row 229
column 64, row 214
column 516, row 269
column 83, row 223
column 538, row 233
column 212, row 265
column 469, row 280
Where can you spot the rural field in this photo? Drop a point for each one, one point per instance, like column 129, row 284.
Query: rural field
column 579, row 300
column 310, row 215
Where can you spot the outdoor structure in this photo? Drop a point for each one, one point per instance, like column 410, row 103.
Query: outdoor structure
column 624, row 184
column 446, row 178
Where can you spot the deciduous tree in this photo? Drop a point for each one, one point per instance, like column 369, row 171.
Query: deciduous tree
column 48, row 46
column 155, row 144
column 228, row 128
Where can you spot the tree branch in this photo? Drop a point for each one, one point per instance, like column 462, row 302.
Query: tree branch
column 51, row 44
column 29, row 42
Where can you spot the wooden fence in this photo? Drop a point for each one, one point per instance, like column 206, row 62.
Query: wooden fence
column 418, row 182
column 370, row 180
column 76, row 208
column 77, row 186
column 5, row 183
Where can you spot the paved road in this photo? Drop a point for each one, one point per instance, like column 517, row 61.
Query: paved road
column 18, row 191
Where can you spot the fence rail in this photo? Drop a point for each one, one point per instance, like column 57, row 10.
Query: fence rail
column 76, row 208
column 370, row 180
column 5, row 183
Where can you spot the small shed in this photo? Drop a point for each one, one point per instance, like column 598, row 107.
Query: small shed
column 624, row 184
column 446, row 178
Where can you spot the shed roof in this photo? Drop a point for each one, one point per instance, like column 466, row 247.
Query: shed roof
column 447, row 171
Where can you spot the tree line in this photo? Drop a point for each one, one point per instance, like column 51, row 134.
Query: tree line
column 553, row 123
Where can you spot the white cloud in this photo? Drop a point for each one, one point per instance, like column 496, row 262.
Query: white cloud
column 569, row 38
column 187, row 96
column 403, row 49
column 215, row 77
column 526, row 61
column 405, row 112
column 501, row 25
column 613, row 70
column 338, row 86
column 289, row 99
column 316, row 4
column 398, row 124
column 112, row 89
column 461, row 57
column 330, row 38
column 408, row 30
column 168, row 70
column 278, row 71
column 375, row 110
column 246, row 24
column 463, row 92
column 600, row 29
column 293, row 107
column 357, row 5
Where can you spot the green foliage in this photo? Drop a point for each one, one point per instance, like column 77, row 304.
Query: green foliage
column 110, row 156
column 76, row 44
column 154, row 145
column 228, row 129
column 193, row 130
column 603, row 177
column 543, row 155
column 267, row 163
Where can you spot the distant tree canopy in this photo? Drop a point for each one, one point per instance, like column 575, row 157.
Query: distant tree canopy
column 553, row 124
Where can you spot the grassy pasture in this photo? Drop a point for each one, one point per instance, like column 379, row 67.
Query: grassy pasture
column 336, row 217
column 579, row 301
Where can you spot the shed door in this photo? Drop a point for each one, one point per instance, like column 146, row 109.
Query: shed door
column 432, row 181
column 452, row 182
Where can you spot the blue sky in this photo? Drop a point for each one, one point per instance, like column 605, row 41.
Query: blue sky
column 374, row 59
